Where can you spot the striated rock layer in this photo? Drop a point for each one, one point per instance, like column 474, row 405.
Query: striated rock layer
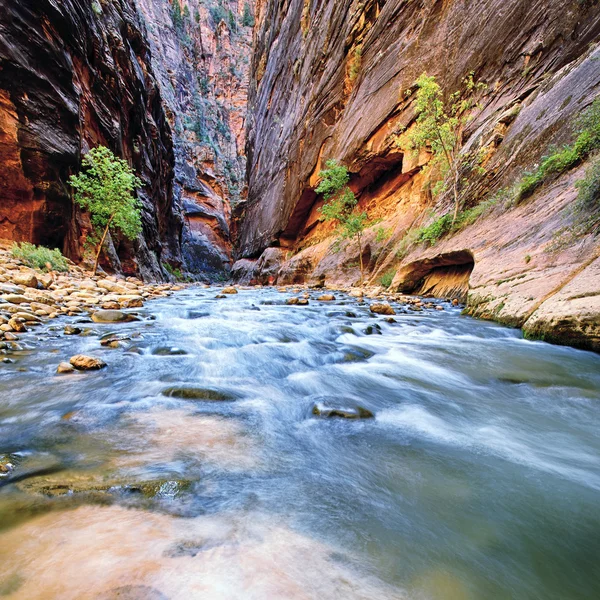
column 75, row 74
column 330, row 81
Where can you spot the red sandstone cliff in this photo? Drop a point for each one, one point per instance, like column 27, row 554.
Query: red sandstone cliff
column 329, row 81
column 171, row 100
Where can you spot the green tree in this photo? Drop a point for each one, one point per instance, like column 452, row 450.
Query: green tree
column 247, row 16
column 440, row 125
column 176, row 14
column 105, row 188
column 340, row 204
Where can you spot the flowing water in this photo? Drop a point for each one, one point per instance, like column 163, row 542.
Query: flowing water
column 193, row 467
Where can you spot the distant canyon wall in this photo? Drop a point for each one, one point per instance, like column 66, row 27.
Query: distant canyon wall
column 329, row 80
column 78, row 73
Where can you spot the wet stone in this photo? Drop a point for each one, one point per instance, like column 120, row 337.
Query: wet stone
column 87, row 363
column 195, row 393
column 71, row 330
column 112, row 316
column 357, row 354
column 168, row 351
column 374, row 329
column 357, row 412
column 382, row 308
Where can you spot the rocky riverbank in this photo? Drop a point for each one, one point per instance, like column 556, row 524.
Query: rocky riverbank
column 31, row 297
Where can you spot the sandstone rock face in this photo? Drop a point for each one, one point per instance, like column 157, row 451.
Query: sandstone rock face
column 330, row 81
column 74, row 75
column 169, row 99
column 202, row 68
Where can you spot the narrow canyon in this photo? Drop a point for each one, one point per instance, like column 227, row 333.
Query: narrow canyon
column 229, row 124
column 299, row 299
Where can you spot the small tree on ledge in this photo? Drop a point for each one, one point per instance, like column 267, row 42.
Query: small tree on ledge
column 105, row 188
column 440, row 125
column 339, row 206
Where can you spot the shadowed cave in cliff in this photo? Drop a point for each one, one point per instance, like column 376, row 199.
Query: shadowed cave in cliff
column 444, row 276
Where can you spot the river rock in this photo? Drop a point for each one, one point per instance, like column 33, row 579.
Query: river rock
column 168, row 351
column 112, row 286
column 87, row 363
column 198, row 393
column 15, row 298
column 6, row 466
column 382, row 308
column 111, row 316
column 357, row 412
column 17, row 325
column 72, row 330
column 374, row 329
column 27, row 279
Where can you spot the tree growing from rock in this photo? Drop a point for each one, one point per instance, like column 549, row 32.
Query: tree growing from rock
column 340, row 205
column 440, row 125
column 105, row 188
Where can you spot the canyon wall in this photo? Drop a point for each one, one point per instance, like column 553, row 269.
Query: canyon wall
column 330, row 80
column 166, row 94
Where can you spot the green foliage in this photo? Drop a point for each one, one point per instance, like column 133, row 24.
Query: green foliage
column 174, row 272
column 355, row 63
column 232, row 21
column 105, row 188
column 218, row 13
column 382, row 234
column 39, row 257
column 439, row 126
column 176, row 14
column 333, row 179
column 247, row 16
column 587, row 131
column 436, row 230
column 340, row 203
column 588, row 196
column 446, row 224
column 386, row 279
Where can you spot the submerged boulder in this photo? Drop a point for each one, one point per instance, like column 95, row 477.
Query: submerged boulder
column 356, row 412
column 197, row 393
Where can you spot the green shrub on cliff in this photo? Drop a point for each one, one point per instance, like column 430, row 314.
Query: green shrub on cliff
column 176, row 14
column 439, row 127
column 588, row 197
column 340, row 204
column 39, row 257
column 247, row 17
column 105, row 188
column 587, row 131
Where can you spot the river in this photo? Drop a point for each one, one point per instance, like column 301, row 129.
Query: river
column 193, row 465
